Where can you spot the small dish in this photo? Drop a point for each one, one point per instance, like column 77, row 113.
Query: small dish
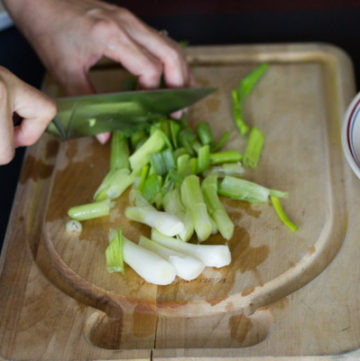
column 351, row 135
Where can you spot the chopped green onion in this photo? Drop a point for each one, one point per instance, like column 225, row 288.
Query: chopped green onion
column 173, row 205
column 254, row 147
column 187, row 267
column 172, row 179
column 174, row 132
column 143, row 212
column 192, row 198
column 73, row 227
column 149, row 265
column 237, row 114
column 90, row 210
column 178, row 152
column 162, row 162
column 193, row 163
column 137, row 139
column 119, row 157
column 232, row 169
column 165, row 127
column 169, row 159
column 243, row 90
column 230, row 156
column 143, row 176
column 152, row 187
column 183, row 165
column 114, row 184
column 248, row 83
column 203, row 158
column 158, row 163
column 280, row 212
column 204, row 133
column 278, row 194
column 152, row 145
column 196, row 145
column 114, row 254
column 244, row 190
column 221, row 142
column 216, row 208
column 210, row 255
column 186, row 139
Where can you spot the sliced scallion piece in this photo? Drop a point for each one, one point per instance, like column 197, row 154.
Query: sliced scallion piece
column 114, row 254
column 158, row 163
column 253, row 148
column 193, row 164
column 204, row 133
column 192, row 198
column 183, row 165
column 145, row 213
column 210, row 255
column 152, row 145
column 119, row 157
column 203, row 158
column 169, row 159
column 137, row 139
column 215, row 207
column 90, row 210
column 186, row 139
column 245, row 190
column 187, row 267
column 280, row 212
column 147, row 264
column 174, row 132
column 241, row 92
column 232, row 169
column 143, row 175
column 173, row 205
column 114, row 184
column 238, row 114
column 230, row 156
column 151, row 188
column 247, row 84
column 221, row 142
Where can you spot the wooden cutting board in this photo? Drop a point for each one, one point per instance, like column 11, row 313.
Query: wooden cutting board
column 285, row 295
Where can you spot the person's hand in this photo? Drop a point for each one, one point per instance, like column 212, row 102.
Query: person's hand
column 70, row 36
column 35, row 109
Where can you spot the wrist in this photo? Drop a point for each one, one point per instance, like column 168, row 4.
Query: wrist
column 30, row 16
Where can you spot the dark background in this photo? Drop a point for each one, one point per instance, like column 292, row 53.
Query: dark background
column 203, row 23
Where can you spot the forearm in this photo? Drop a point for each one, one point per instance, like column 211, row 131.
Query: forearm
column 32, row 17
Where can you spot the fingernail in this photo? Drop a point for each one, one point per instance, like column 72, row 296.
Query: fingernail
column 177, row 115
column 103, row 137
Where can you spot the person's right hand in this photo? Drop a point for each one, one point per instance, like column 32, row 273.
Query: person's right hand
column 35, row 108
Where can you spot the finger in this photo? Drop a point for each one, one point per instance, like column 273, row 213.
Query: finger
column 176, row 69
column 103, row 137
column 134, row 58
column 178, row 114
column 6, row 127
column 36, row 109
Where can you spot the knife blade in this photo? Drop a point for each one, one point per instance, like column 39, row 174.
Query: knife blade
column 93, row 114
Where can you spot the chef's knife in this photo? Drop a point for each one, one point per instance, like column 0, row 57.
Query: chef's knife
column 89, row 115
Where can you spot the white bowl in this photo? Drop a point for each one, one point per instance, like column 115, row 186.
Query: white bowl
column 351, row 135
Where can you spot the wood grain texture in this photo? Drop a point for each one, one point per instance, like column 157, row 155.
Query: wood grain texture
column 58, row 302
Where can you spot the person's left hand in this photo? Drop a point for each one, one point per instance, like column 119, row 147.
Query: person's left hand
column 70, row 36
